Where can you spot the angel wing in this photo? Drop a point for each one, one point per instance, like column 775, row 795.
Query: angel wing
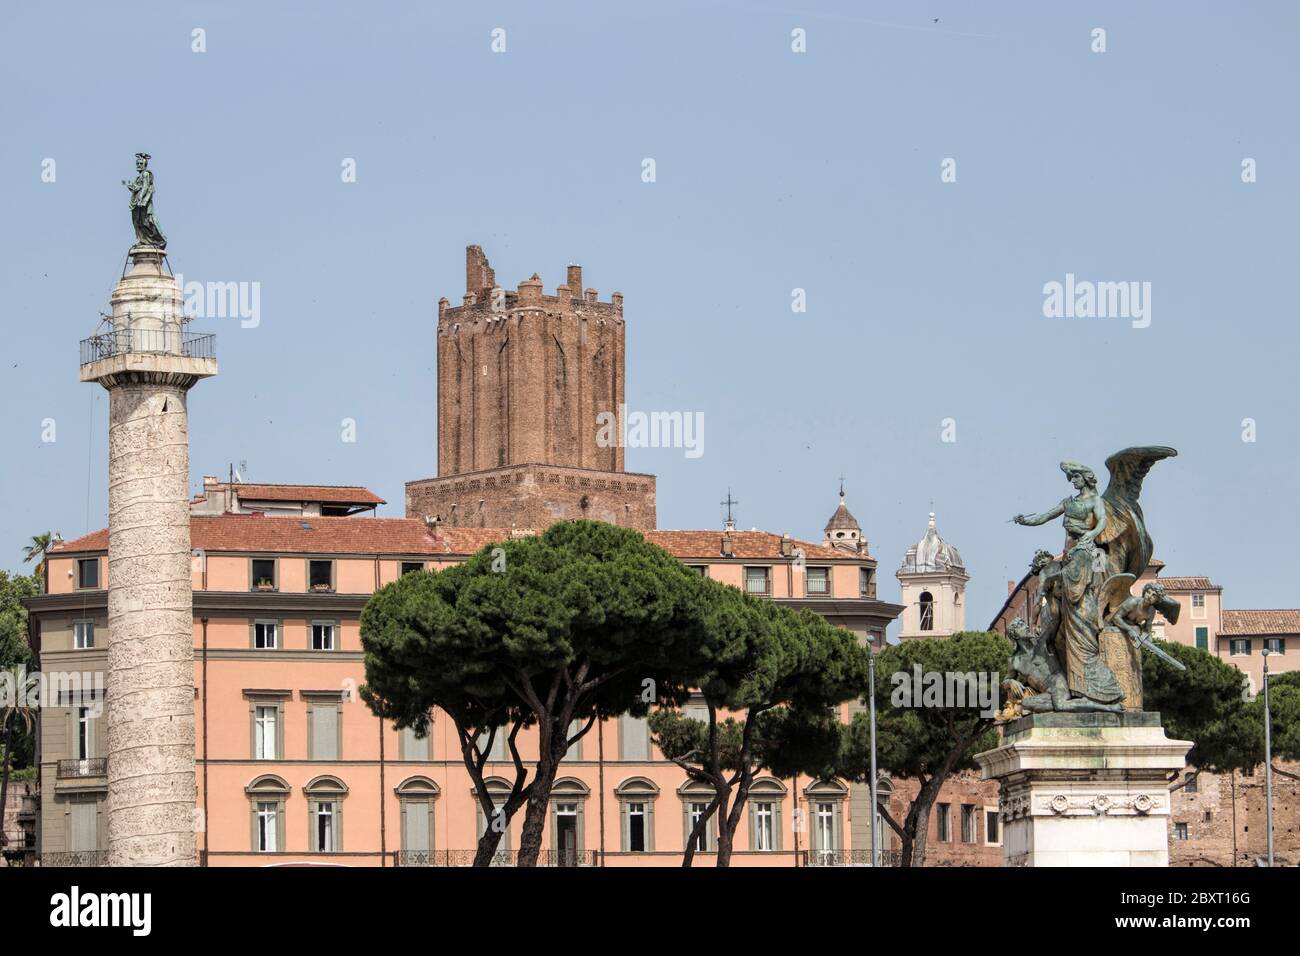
column 1128, row 543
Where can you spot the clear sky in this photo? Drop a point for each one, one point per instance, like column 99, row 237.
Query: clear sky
column 775, row 171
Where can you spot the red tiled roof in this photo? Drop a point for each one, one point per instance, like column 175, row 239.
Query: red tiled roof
column 357, row 535
column 745, row 544
column 330, row 494
column 1188, row 584
column 1261, row 622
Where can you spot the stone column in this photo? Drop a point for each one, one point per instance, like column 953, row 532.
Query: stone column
column 148, row 364
column 1084, row 789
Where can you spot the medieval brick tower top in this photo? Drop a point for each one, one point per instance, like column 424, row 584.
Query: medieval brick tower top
column 522, row 380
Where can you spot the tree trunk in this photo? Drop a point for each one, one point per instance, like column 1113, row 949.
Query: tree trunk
column 539, row 802
column 700, row 827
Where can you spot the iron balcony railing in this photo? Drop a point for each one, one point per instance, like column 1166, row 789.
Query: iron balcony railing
column 163, row 341
column 88, row 767
column 860, row 857
column 75, row 858
column 499, row 858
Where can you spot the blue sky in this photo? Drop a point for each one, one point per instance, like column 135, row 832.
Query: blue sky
column 775, row 171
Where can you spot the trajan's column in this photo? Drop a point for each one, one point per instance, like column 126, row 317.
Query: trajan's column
column 148, row 363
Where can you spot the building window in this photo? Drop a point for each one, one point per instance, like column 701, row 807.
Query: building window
column 927, row 611
column 411, row 747
column 943, row 822
column 1198, row 605
column 83, row 634
column 756, row 581
column 323, row 635
column 324, row 827
column 825, row 803
column 992, row 827
column 83, row 823
column 633, row 738
column 266, row 635
column 325, row 814
column 1202, row 638
column 500, row 743
column 498, row 790
column 85, row 734
column 409, row 566
column 567, row 837
column 266, row 722
column 417, row 796
column 818, row 582
column 1239, row 646
column 1191, row 785
column 266, row 796
column 636, row 830
column 866, row 586
column 263, row 574
column 1180, row 831
column 1275, row 645
column 268, row 826
column 324, row 724
column 88, row 573
column 764, row 826
column 701, row 569
column 320, row 575
column 266, row 717
column 693, row 816
column 575, row 749
column 636, row 798
column 967, row 823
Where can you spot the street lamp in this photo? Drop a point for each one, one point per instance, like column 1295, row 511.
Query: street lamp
column 875, row 805
column 1268, row 763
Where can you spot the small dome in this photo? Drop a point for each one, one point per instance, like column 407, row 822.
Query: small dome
column 842, row 519
column 932, row 553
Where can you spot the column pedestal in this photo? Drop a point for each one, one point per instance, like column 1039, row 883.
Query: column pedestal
column 1084, row 789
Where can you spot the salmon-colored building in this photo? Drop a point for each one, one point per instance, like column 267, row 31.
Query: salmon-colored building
column 292, row 766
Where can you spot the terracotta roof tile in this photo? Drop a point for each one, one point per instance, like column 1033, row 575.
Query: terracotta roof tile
column 1188, row 584
column 331, row 494
column 1261, row 622
column 358, row 535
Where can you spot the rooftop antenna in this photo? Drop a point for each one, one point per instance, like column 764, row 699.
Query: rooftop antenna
column 731, row 524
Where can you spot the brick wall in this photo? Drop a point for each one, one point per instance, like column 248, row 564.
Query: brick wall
column 534, row 496
column 1225, row 806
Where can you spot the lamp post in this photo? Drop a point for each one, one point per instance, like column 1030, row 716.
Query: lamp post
column 875, row 807
column 1268, row 763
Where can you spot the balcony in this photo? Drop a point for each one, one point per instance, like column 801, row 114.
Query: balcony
column 75, row 858
column 849, row 857
column 81, row 769
column 160, row 341
column 500, row 858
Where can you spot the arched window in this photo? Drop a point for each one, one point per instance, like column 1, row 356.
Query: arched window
column 325, row 814
column 765, row 799
column 568, row 841
column 266, row 796
column 416, row 796
column 927, row 611
column 825, row 818
column 498, row 789
column 696, row 797
column 636, row 799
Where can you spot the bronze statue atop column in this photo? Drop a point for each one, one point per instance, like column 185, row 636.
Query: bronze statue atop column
column 147, row 231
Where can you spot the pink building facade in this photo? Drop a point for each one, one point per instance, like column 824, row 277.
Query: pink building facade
column 292, row 766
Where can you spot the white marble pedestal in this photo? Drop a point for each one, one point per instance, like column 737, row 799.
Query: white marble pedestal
column 1084, row 789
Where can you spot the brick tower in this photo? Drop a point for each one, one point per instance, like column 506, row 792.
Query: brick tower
column 148, row 363
column 522, row 379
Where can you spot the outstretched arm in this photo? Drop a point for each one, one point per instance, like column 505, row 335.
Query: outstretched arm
column 1043, row 518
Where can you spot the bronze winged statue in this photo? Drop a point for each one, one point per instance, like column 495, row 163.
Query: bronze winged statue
column 1107, row 546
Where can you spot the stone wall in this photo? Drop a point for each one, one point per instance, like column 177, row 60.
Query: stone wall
column 534, row 496
column 1225, row 816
